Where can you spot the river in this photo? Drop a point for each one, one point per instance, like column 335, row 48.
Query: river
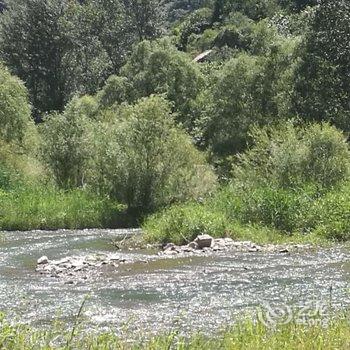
column 156, row 294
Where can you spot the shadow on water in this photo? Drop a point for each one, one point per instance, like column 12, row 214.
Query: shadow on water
column 197, row 293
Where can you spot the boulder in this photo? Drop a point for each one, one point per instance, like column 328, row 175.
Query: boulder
column 204, row 241
column 43, row 260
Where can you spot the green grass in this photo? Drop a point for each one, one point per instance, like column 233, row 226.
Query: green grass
column 45, row 207
column 247, row 335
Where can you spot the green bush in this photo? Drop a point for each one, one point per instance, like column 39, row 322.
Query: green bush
column 289, row 156
column 159, row 68
column 144, row 161
column 17, row 166
column 181, row 224
column 5, row 177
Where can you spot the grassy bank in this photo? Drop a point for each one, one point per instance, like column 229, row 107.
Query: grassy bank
column 245, row 335
column 293, row 183
column 45, row 207
column 262, row 214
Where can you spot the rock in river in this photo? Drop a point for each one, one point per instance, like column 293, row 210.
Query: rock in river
column 43, row 260
column 204, row 241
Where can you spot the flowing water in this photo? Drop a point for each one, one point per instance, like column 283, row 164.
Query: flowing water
column 155, row 293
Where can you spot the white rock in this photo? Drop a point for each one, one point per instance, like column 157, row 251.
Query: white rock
column 43, row 260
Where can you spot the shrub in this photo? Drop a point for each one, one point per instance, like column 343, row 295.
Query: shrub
column 278, row 208
column 5, row 177
column 328, row 156
column 288, row 156
column 181, row 224
column 17, row 167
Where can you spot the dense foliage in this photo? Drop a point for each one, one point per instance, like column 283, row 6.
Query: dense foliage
column 152, row 103
column 15, row 114
column 293, row 179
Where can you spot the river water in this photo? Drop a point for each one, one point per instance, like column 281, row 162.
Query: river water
column 155, row 294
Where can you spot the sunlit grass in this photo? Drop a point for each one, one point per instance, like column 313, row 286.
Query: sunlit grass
column 247, row 335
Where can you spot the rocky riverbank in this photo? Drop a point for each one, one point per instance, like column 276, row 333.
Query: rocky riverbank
column 76, row 268
column 79, row 268
column 205, row 244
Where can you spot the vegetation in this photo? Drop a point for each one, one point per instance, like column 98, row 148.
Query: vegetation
column 224, row 117
column 244, row 335
column 293, row 180
column 242, row 139
column 50, row 208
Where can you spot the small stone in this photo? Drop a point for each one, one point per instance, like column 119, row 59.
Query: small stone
column 43, row 260
column 193, row 245
column 187, row 249
column 284, row 250
column 170, row 252
column 114, row 258
column 204, row 241
column 169, row 246
column 252, row 250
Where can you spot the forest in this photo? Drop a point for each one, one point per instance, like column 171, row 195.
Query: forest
column 201, row 116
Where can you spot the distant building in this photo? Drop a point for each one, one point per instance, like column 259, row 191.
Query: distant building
column 203, row 56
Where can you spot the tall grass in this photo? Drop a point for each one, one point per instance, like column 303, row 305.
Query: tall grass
column 45, row 207
column 264, row 215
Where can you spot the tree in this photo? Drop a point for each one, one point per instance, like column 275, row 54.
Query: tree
column 177, row 9
column 144, row 161
column 158, row 68
column 86, row 61
column 322, row 81
column 146, row 17
column 248, row 90
column 15, row 113
column 32, row 47
column 60, row 48
column 218, row 11
column 254, row 9
column 297, row 5
column 66, row 147
column 2, row 5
